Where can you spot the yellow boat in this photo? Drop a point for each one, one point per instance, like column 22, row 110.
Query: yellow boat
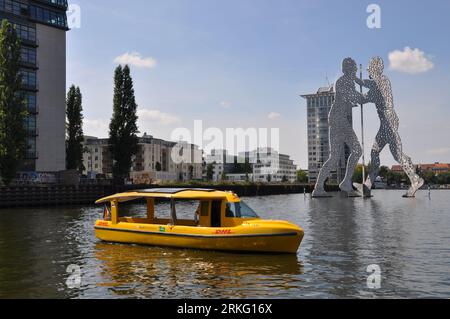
column 221, row 222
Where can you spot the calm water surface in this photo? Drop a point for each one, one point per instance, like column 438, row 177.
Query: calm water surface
column 408, row 239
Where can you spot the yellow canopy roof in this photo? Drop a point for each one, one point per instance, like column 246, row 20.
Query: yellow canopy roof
column 171, row 193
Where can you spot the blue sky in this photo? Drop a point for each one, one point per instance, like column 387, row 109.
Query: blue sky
column 233, row 63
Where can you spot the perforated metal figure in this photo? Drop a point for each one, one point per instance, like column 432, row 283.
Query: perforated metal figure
column 341, row 130
column 380, row 93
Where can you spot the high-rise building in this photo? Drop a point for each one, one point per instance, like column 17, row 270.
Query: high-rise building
column 41, row 26
column 318, row 109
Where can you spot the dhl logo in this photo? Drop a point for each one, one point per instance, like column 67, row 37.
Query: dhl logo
column 223, row 232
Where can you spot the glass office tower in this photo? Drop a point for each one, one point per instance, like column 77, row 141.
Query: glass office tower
column 42, row 26
column 319, row 106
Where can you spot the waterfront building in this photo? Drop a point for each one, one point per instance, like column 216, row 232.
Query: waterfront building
column 436, row 168
column 270, row 166
column 222, row 164
column 41, row 26
column 318, row 108
column 153, row 161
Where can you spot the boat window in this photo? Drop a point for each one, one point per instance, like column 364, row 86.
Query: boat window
column 216, row 207
column 240, row 210
column 204, row 210
column 185, row 209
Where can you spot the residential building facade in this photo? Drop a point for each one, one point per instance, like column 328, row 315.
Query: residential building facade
column 154, row 161
column 222, row 164
column 318, row 108
column 41, row 26
column 270, row 166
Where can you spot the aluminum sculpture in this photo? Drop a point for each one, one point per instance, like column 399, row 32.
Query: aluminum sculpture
column 342, row 133
column 380, row 93
column 341, row 130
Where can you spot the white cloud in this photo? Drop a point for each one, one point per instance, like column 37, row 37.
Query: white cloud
column 273, row 115
column 136, row 59
column 96, row 127
column 225, row 104
column 146, row 115
column 410, row 61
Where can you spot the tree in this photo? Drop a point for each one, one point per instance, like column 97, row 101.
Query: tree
column 158, row 167
column 429, row 177
column 75, row 137
column 191, row 172
column 384, row 170
column 357, row 175
column 13, row 114
column 210, row 172
column 302, row 177
column 123, row 127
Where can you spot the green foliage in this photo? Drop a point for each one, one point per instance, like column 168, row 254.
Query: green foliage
column 429, row 177
column 357, row 175
column 74, row 138
column 302, row 177
column 158, row 167
column 242, row 168
column 396, row 178
column 384, row 171
column 13, row 115
column 210, row 172
column 123, row 127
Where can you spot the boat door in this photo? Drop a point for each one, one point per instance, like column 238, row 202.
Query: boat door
column 216, row 211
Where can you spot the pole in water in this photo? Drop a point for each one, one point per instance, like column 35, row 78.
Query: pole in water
column 362, row 131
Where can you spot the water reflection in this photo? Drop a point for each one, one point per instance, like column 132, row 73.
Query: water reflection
column 166, row 273
column 408, row 239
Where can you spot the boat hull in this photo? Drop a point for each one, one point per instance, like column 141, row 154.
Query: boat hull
column 256, row 239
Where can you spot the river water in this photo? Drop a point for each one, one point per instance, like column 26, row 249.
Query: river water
column 408, row 240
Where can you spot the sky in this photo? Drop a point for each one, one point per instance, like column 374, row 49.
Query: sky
column 245, row 63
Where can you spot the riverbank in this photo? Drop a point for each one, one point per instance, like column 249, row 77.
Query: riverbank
column 34, row 196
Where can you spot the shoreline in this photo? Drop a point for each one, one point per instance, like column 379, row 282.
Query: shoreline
column 60, row 195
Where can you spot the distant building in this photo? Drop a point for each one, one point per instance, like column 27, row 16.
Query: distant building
column 222, row 164
column 436, row 168
column 153, row 161
column 41, row 26
column 270, row 166
column 318, row 109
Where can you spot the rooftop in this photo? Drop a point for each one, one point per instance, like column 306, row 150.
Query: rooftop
column 171, row 193
column 322, row 90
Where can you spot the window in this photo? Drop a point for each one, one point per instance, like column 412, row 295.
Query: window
column 240, row 210
column 28, row 55
column 204, row 210
column 30, row 125
column 58, row 19
column 26, row 33
column 31, row 151
column 28, row 78
column 30, row 102
column 13, row 7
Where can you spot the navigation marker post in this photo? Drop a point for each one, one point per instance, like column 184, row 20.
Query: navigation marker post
column 362, row 130
column 362, row 188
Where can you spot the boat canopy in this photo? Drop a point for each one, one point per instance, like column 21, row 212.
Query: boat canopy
column 171, row 193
